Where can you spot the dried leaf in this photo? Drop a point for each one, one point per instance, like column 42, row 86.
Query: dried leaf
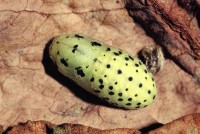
column 31, row 88
column 188, row 124
column 42, row 127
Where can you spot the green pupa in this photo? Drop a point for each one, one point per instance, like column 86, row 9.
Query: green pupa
column 105, row 71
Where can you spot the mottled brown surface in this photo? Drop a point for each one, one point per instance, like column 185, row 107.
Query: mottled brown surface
column 42, row 127
column 189, row 124
column 1, row 129
column 186, row 125
column 32, row 89
column 192, row 6
column 172, row 27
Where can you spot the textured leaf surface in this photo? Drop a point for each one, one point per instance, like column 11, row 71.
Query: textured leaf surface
column 31, row 89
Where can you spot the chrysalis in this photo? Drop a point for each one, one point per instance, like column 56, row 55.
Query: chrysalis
column 105, row 71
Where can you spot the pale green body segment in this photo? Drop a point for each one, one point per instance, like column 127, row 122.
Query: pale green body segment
column 105, row 71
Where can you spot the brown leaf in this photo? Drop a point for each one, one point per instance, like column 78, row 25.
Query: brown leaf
column 42, row 127
column 31, row 88
column 184, row 125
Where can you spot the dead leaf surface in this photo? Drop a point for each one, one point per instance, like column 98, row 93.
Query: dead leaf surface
column 184, row 125
column 42, row 127
column 32, row 89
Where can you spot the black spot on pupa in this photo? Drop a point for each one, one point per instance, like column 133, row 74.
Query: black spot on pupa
column 138, row 103
column 120, row 99
column 108, row 65
column 136, row 95
column 110, row 87
column 146, row 78
column 137, row 107
column 74, row 48
column 108, row 49
column 100, row 81
column 128, row 104
column 126, row 58
column 67, row 37
column 140, row 85
column 137, row 65
column 154, row 97
column 95, row 60
column 92, row 79
column 114, row 59
column 120, row 94
column 145, row 71
column 152, row 79
column 78, row 36
column 116, row 83
column 140, row 63
column 105, row 76
column 119, row 71
column 115, row 53
column 145, row 100
column 130, row 78
column 131, row 57
column 129, row 99
column 95, row 43
column 87, row 66
column 153, row 85
column 57, row 42
column 101, row 86
column 149, row 91
column 136, row 71
column 126, row 64
column 64, row 62
column 111, row 93
column 80, row 71
column 58, row 52
column 126, row 89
